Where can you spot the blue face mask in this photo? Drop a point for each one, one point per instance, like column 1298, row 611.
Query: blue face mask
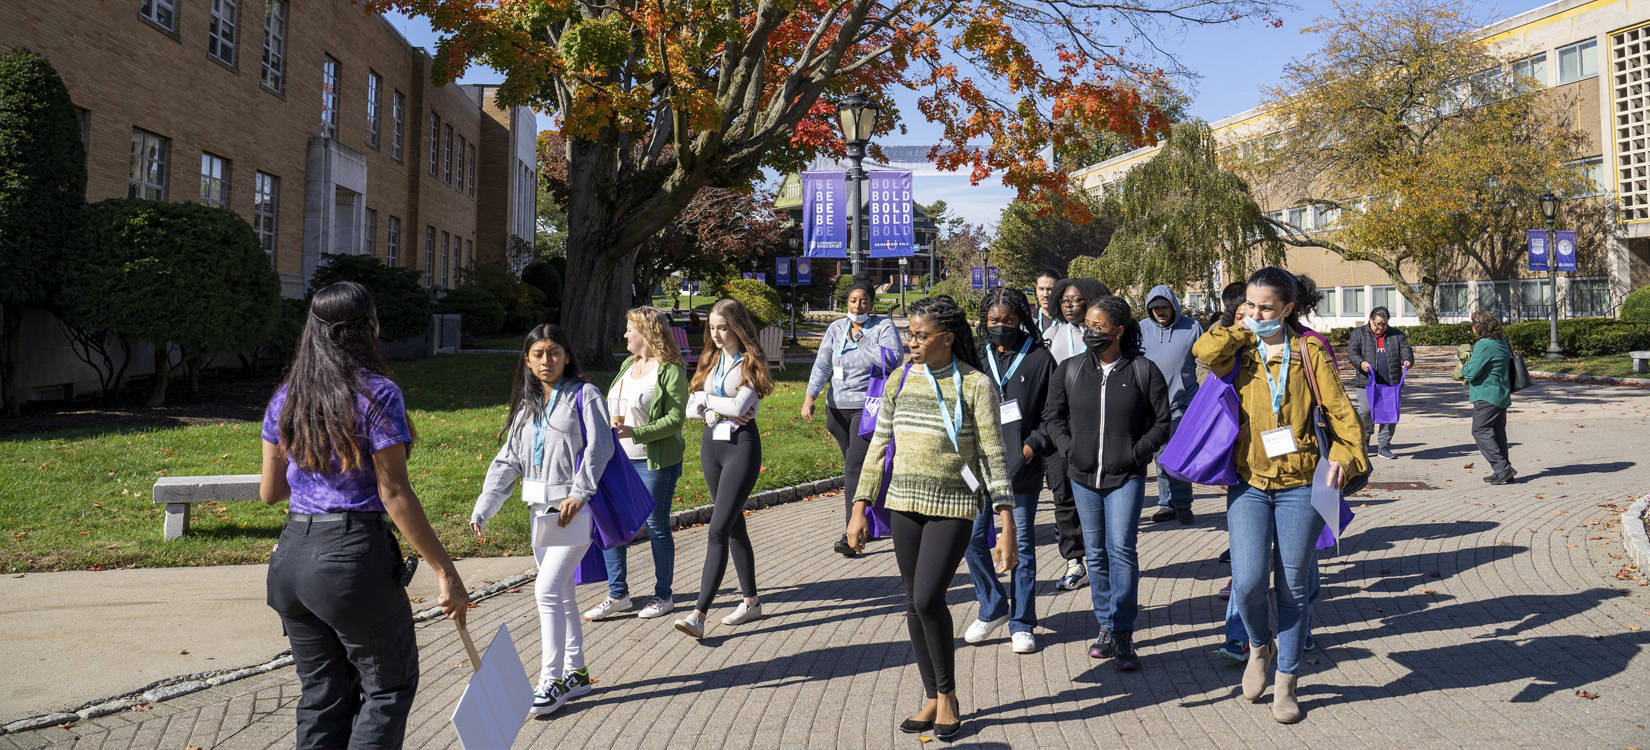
column 1264, row 328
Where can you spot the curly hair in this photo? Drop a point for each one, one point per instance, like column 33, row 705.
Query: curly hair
column 1231, row 298
column 1091, row 289
column 949, row 316
column 1118, row 311
column 655, row 330
column 755, row 367
column 1307, row 297
column 1486, row 326
column 1014, row 300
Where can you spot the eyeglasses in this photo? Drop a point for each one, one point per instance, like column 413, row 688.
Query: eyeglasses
column 1074, row 303
column 1098, row 328
column 922, row 338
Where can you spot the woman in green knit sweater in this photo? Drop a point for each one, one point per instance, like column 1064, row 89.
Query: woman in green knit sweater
column 948, row 465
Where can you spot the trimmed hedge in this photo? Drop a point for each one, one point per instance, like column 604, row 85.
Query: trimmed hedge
column 1442, row 334
column 1636, row 308
column 1582, row 337
column 404, row 307
column 759, row 299
column 483, row 313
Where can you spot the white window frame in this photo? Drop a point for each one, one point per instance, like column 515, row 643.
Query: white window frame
column 447, row 155
column 429, row 257
column 372, row 232
column 1458, row 290
column 1352, row 297
column 330, row 72
column 1585, row 50
column 375, row 85
column 398, row 125
column 392, row 242
column 461, row 146
column 220, row 36
column 274, row 62
column 446, row 258
column 214, row 180
column 266, row 205
column 472, row 170
column 162, row 13
column 435, row 142
column 1534, row 66
column 1327, row 306
column 147, row 176
column 469, row 253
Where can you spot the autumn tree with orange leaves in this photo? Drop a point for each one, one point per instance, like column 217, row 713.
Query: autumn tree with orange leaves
column 657, row 99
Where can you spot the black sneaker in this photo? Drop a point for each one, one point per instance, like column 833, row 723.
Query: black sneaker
column 1075, row 575
column 549, row 698
column 577, row 683
column 1185, row 516
column 1163, row 514
column 1127, row 659
column 1505, row 477
column 1226, row 557
column 843, row 548
column 1104, row 646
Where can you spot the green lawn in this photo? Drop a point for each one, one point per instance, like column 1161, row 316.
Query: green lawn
column 80, row 499
column 1612, row 365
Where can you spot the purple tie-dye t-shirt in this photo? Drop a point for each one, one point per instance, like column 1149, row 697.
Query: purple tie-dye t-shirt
column 334, row 491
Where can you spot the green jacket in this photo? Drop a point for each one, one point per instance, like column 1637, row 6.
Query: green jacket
column 1488, row 373
column 665, row 416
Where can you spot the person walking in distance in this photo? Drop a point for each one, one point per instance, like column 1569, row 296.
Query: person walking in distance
column 1272, row 525
column 1382, row 352
column 335, row 443
column 1071, row 298
column 1047, row 316
column 726, row 390
column 1020, row 366
column 1488, row 374
column 1108, row 413
column 648, row 404
column 854, row 349
column 948, row 463
column 556, row 441
column 1167, row 334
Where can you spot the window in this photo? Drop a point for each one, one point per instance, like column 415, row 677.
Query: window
column 461, row 164
column 1589, row 298
column 446, row 257
column 1325, row 216
column 392, row 243
column 472, row 171
column 1452, row 300
column 1297, row 218
column 1592, row 173
column 164, row 13
column 429, row 256
column 398, row 114
column 329, row 98
column 220, row 37
column 266, row 191
column 214, row 180
column 1496, row 297
column 447, row 156
column 469, row 253
column 1578, row 61
column 1326, row 306
column 372, row 232
column 374, row 83
column 148, row 173
column 1383, row 296
column 274, row 44
column 1530, row 67
column 1352, row 300
column 435, row 141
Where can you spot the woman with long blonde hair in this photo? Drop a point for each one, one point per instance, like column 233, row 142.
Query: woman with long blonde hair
column 731, row 381
column 648, row 403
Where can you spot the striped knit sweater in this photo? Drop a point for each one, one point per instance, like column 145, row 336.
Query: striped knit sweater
column 927, row 469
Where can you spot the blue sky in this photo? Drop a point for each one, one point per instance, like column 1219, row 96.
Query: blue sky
column 1232, row 61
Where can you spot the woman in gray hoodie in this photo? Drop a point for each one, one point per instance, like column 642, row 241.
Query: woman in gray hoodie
column 557, row 439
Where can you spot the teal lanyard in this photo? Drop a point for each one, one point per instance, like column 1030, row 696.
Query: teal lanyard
column 951, row 420
column 1002, row 380
column 722, row 371
column 848, row 343
column 1282, row 383
column 540, row 423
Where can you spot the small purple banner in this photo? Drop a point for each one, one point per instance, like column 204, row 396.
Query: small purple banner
column 762, row 276
column 804, row 272
column 979, row 277
column 1565, row 250
column 824, row 206
column 782, row 270
column 1538, row 249
column 750, row 275
column 892, row 232
column 992, row 282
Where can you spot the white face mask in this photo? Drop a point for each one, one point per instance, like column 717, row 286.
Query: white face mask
column 860, row 318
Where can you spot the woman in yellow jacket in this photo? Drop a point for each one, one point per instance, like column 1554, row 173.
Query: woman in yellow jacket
column 1276, row 455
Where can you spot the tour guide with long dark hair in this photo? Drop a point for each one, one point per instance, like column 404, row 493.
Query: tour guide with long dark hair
column 335, row 441
column 1269, row 514
column 935, row 490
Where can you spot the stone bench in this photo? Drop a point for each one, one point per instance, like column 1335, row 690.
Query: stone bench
column 1641, row 361
column 178, row 493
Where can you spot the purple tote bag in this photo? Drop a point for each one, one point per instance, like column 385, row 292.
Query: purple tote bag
column 1383, row 399
column 618, row 509
column 877, row 513
column 873, row 396
column 1200, row 451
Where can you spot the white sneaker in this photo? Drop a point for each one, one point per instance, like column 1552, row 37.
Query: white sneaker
column 656, row 607
column 1024, row 642
column 980, row 631
column 745, row 613
column 692, row 626
column 609, row 607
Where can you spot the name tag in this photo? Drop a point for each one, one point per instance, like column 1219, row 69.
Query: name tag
column 972, row 481
column 1278, row 442
column 534, row 492
column 1010, row 411
column 722, row 430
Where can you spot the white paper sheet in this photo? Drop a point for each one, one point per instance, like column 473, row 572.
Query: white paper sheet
column 1326, row 500
column 495, row 703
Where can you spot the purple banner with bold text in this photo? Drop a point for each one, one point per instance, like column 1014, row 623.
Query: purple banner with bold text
column 782, row 271
column 1538, row 249
column 892, row 232
column 824, row 206
column 979, row 277
column 1565, row 250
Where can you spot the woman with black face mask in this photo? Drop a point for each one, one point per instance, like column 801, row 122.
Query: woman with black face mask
column 1020, row 366
column 1108, row 412
column 1068, row 301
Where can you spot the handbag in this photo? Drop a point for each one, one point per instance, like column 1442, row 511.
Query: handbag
column 873, row 396
column 617, row 510
column 1201, row 451
column 877, row 512
column 1383, row 399
column 1520, row 373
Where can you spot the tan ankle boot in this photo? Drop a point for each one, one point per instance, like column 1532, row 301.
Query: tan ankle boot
column 1285, row 709
column 1254, row 675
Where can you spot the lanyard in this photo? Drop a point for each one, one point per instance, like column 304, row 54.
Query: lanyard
column 539, row 424
column 1072, row 341
column 722, row 371
column 951, row 421
column 848, row 342
column 1282, row 383
column 1002, row 380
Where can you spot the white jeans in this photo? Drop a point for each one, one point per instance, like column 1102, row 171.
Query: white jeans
column 561, row 634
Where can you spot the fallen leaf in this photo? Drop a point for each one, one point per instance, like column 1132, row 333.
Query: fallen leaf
column 419, row 600
column 144, row 707
column 1468, row 466
column 1429, row 591
column 183, row 652
column 512, row 591
column 1587, row 695
column 1634, row 628
column 924, row 739
column 473, row 605
column 19, row 575
column 67, row 725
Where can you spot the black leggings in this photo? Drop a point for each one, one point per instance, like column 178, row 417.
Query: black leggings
column 1068, row 529
column 730, row 474
column 844, row 426
column 928, row 550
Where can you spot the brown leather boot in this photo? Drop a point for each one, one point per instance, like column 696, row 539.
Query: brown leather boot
column 1254, row 675
column 1285, row 709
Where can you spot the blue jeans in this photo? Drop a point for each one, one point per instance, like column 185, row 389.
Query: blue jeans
column 1172, row 493
column 1111, row 525
column 994, row 603
column 1254, row 519
column 662, row 485
column 1234, row 620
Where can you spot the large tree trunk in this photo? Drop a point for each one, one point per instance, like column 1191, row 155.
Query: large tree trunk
column 11, row 332
column 163, row 372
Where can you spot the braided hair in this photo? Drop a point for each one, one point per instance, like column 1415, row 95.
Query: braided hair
column 949, row 316
column 1119, row 313
column 1015, row 300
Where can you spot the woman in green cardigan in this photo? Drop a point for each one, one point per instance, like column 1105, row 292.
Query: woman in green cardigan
column 648, row 402
column 1488, row 373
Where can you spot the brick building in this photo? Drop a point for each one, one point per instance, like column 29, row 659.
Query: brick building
column 314, row 119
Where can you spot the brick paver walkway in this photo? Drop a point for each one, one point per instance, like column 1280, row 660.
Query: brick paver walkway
column 1456, row 615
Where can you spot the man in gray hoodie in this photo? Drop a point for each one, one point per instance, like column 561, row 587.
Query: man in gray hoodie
column 1167, row 336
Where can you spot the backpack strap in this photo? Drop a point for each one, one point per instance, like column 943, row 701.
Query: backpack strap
column 1142, row 378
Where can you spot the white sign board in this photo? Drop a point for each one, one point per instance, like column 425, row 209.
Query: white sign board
column 495, row 703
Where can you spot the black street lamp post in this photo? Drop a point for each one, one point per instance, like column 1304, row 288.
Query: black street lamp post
column 857, row 117
column 795, row 241
column 1549, row 211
